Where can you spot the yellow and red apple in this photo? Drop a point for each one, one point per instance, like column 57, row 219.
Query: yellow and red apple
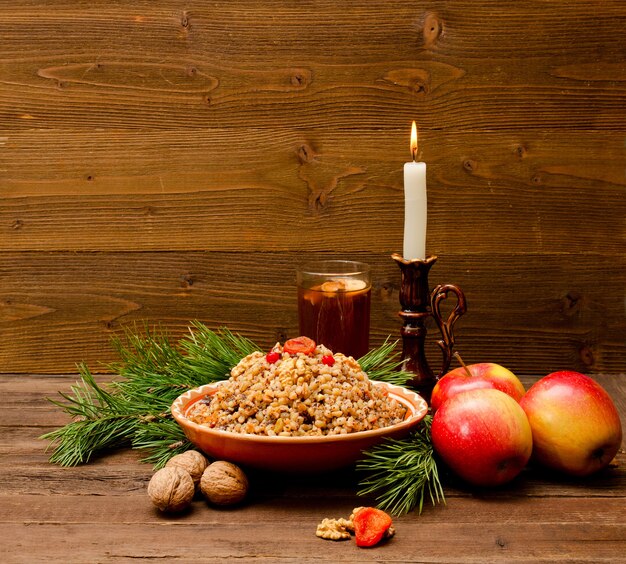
column 575, row 424
column 483, row 375
column 483, row 435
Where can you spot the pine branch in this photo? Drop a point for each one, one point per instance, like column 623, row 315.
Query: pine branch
column 403, row 472
column 153, row 371
column 153, row 374
column 383, row 364
column 210, row 356
column 162, row 438
column 102, row 420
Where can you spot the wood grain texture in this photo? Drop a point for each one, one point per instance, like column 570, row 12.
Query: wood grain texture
column 174, row 160
column 273, row 63
column 100, row 512
column 64, row 307
column 307, row 191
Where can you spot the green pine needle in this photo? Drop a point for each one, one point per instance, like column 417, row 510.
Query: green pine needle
column 383, row 364
column 134, row 410
column 103, row 420
column 401, row 473
column 162, row 438
column 214, row 355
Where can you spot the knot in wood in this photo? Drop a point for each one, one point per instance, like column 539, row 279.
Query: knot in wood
column 305, row 153
column 386, row 290
column 587, row 356
column 299, row 79
column 281, row 335
column 186, row 280
column 469, row 165
column 571, row 303
column 432, row 30
column 419, row 87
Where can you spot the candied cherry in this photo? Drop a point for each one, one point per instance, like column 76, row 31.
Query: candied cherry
column 272, row 357
column 328, row 360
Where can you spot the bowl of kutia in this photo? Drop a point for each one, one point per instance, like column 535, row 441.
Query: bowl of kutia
column 306, row 454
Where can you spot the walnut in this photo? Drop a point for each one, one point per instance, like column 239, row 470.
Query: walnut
column 335, row 529
column 171, row 489
column 354, row 512
column 224, row 483
column 192, row 461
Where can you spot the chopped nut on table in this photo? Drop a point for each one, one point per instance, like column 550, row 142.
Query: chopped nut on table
column 335, row 529
column 374, row 526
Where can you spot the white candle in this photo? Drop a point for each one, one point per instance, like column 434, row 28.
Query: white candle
column 414, row 205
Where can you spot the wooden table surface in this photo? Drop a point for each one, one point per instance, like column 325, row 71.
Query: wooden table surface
column 100, row 512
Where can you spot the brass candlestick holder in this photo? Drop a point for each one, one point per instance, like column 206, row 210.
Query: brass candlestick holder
column 418, row 304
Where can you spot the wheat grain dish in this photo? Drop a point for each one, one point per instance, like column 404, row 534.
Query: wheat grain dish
column 320, row 393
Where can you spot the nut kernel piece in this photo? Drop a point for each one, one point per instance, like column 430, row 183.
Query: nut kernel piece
column 192, row 461
column 334, row 529
column 224, row 483
column 171, row 489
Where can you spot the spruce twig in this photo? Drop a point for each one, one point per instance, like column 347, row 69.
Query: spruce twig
column 383, row 363
column 162, row 438
column 102, row 420
column 207, row 355
column 134, row 410
column 403, row 472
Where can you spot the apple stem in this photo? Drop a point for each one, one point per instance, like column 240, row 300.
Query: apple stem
column 458, row 357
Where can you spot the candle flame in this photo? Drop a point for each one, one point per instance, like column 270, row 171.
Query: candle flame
column 414, row 140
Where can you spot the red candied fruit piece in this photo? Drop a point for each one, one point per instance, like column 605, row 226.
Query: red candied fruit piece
column 370, row 526
column 299, row 345
column 328, row 360
column 272, row 357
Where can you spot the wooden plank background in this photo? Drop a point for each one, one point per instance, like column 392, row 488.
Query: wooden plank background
column 174, row 160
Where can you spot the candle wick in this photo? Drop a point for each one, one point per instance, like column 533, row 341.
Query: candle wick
column 414, row 153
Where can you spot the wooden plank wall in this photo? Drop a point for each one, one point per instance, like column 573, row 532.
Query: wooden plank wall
column 170, row 160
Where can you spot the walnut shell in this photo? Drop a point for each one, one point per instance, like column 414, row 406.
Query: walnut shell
column 192, row 461
column 224, row 483
column 171, row 489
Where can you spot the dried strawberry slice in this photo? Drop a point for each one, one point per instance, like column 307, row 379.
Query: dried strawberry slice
column 299, row 345
column 370, row 525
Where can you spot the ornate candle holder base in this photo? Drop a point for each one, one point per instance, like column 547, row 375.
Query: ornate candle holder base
column 418, row 304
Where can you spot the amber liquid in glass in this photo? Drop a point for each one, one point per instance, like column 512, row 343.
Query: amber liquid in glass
column 337, row 316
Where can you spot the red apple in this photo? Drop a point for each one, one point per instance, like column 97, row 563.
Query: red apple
column 575, row 424
column 484, row 375
column 483, row 436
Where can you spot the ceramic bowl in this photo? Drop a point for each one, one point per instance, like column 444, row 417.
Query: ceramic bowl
column 293, row 454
